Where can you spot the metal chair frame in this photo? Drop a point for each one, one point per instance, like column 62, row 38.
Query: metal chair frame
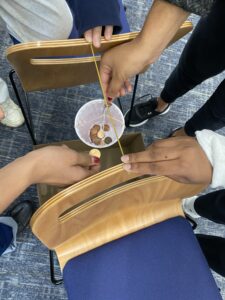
column 25, row 106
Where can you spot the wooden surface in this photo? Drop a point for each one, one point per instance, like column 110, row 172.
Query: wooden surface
column 57, row 64
column 110, row 156
column 87, row 215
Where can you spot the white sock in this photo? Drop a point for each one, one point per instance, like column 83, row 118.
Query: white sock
column 188, row 207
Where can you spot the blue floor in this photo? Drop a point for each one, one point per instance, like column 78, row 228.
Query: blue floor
column 24, row 274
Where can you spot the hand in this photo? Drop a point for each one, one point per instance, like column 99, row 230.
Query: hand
column 124, row 61
column 94, row 35
column 180, row 158
column 2, row 115
column 55, row 165
column 62, row 166
column 121, row 63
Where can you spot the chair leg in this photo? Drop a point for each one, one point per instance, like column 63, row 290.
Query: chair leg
column 28, row 119
column 120, row 104
column 29, row 112
column 54, row 280
column 132, row 101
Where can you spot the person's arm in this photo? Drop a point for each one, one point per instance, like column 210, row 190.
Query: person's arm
column 201, row 8
column 180, row 158
column 91, row 16
column 123, row 62
column 51, row 165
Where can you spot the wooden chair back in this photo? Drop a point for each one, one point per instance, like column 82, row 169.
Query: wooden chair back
column 65, row 63
column 105, row 207
column 111, row 203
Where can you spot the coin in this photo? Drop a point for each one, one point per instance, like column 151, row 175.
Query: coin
column 106, row 127
column 93, row 132
column 100, row 134
column 95, row 152
column 96, row 140
column 92, row 136
column 95, row 129
column 108, row 140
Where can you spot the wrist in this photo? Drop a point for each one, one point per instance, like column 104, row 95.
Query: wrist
column 15, row 178
column 148, row 52
column 31, row 171
column 161, row 24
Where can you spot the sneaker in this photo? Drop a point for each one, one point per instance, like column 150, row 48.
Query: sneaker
column 142, row 112
column 188, row 207
column 13, row 116
column 213, row 248
column 21, row 213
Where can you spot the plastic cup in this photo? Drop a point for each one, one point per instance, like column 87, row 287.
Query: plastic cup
column 92, row 113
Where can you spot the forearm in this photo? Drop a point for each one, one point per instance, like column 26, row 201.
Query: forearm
column 53, row 165
column 162, row 23
column 201, row 8
column 14, row 179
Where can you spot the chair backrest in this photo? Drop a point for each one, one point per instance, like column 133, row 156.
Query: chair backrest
column 58, row 64
column 65, row 63
column 105, row 207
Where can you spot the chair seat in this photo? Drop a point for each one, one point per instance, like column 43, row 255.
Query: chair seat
column 162, row 262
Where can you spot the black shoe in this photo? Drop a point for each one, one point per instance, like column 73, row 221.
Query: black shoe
column 143, row 111
column 191, row 221
column 22, row 213
column 213, row 248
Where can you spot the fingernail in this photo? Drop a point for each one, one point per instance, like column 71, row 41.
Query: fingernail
column 127, row 167
column 95, row 160
column 125, row 158
column 109, row 98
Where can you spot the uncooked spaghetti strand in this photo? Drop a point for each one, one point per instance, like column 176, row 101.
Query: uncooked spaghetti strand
column 105, row 100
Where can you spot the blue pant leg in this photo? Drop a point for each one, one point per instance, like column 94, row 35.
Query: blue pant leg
column 6, row 237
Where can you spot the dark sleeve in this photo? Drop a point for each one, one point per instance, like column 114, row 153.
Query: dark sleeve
column 199, row 7
column 92, row 13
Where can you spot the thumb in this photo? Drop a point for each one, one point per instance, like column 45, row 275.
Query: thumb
column 88, row 35
column 115, row 86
